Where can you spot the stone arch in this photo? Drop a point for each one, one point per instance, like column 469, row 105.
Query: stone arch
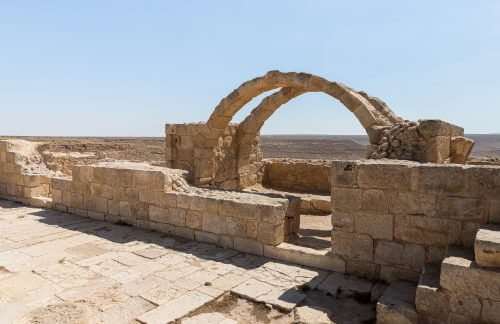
column 370, row 111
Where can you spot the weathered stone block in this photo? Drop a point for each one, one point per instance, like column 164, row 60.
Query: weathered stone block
column 426, row 230
column 248, row 211
column 383, row 175
column 494, row 214
column 248, row 246
column 158, row 214
column 125, row 209
column 378, row 226
column 271, row 214
column 57, row 196
column 271, row 234
column 462, row 208
column 363, row 269
column 346, row 198
column 193, row 219
column 236, row 226
column 184, row 200
column 374, row 200
column 206, row 237
column 430, row 299
column 213, row 223
column 405, row 255
column 352, row 245
column 441, row 179
column 344, row 174
column 460, row 274
column 343, row 220
column 465, row 304
column 228, row 208
column 491, row 311
column 487, row 246
column 177, row 216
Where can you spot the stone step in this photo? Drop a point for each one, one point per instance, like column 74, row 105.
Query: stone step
column 321, row 259
column 431, row 300
column 397, row 304
column 461, row 275
column 487, row 246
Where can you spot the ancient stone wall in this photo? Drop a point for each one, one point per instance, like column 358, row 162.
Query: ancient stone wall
column 298, row 175
column 424, row 141
column 391, row 217
column 23, row 175
column 225, row 155
column 64, row 162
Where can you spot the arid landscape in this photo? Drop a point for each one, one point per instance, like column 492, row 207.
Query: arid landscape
column 326, row 147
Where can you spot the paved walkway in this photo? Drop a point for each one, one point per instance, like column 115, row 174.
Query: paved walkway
column 71, row 268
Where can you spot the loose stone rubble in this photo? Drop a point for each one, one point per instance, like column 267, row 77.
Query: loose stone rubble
column 419, row 238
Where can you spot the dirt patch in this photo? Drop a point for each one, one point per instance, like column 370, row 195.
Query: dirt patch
column 59, row 313
column 243, row 311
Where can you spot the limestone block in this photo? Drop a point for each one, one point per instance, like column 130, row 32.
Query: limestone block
column 113, row 207
column 236, row 226
column 382, row 175
column 399, row 254
column 269, row 214
column 206, row 237
column 158, row 214
column 430, row 299
column 352, row 245
column 228, row 208
column 177, row 216
column 193, row 219
column 374, row 200
column 491, row 311
column 435, row 127
column 184, row 200
column 378, row 226
column 251, row 226
column 248, row 246
column 67, row 198
column 441, row 179
column 390, row 274
column 125, row 209
column 426, row 230
column 57, row 196
column 86, row 173
column 397, row 305
column 89, row 202
column 271, row 234
column 466, row 304
column 77, row 200
column 248, row 210
column 363, row 269
column 140, row 210
column 344, row 174
column 107, row 191
column 346, row 198
column 131, row 194
column 494, row 214
column 487, row 246
column 404, row 202
column 343, row 221
column 437, row 149
column 460, row 274
column 462, row 208
column 460, row 148
column 213, row 223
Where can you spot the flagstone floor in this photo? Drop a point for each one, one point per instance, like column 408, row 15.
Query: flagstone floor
column 61, row 268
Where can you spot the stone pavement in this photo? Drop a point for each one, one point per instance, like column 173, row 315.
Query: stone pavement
column 69, row 268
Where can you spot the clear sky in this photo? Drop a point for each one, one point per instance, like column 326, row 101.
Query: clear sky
column 125, row 68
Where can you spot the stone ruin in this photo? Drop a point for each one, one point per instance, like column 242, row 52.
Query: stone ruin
column 412, row 218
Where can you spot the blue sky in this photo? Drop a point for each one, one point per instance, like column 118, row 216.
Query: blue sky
column 125, row 68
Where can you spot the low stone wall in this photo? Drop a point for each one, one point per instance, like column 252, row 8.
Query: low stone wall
column 298, row 175
column 23, row 176
column 64, row 162
column 159, row 199
column 391, row 217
